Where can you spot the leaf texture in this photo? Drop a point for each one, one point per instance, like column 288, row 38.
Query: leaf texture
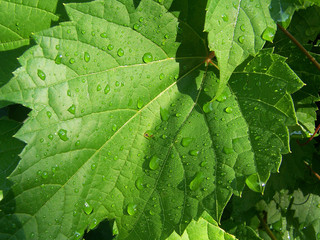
column 118, row 129
column 19, row 19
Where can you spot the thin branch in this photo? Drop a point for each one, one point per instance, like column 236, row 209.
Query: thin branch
column 314, row 173
column 312, row 59
column 266, row 227
column 315, row 132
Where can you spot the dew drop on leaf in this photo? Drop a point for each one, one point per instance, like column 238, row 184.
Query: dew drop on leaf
column 107, row 89
column 62, row 133
column 222, row 97
column 99, row 87
column 154, row 163
column 242, row 27
column 151, row 212
column 139, row 183
column 241, row 39
column 110, row 47
column 139, row 103
column 103, row 35
column 71, row 61
column 86, row 57
column 141, row 19
column 77, row 143
column 87, row 208
column 228, row 110
column 147, row 57
column 268, row 34
column 58, row 59
column 93, row 166
column 131, row 209
column 120, row 52
column 136, row 26
column 161, row 76
column 185, row 142
column 225, row 17
column 207, row 108
column 196, row 182
column 194, row 152
column 72, row 109
column 41, row 75
column 50, row 136
column 44, row 174
column 49, row 114
column 164, row 113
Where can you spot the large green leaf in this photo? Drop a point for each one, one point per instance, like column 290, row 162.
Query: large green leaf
column 306, row 97
column 205, row 229
column 236, row 30
column 117, row 129
column 18, row 19
column 305, row 24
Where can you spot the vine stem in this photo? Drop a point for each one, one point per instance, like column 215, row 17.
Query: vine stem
column 266, row 227
column 315, row 132
column 295, row 41
column 314, row 173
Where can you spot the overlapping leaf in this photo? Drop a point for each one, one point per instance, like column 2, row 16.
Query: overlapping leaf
column 236, row 30
column 205, row 229
column 18, row 19
column 117, row 129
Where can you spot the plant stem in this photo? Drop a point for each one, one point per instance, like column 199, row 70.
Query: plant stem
column 292, row 38
column 266, row 228
column 315, row 132
column 314, row 173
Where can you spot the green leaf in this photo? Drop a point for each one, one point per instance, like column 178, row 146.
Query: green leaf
column 236, row 30
column 305, row 24
column 10, row 148
column 306, row 97
column 19, row 19
column 283, row 10
column 205, row 229
column 108, row 134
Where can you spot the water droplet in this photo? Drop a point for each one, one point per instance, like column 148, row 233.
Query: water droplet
column 62, row 133
column 71, row 61
column 164, row 113
column 93, row 166
column 99, row 87
column 86, row 57
column 194, row 152
column 58, row 59
column 154, row 163
column 147, row 57
column 141, row 19
column 161, row 76
column 110, row 47
column 72, row 109
column 268, row 34
column 207, row 108
column 104, row 35
column 228, row 109
column 196, row 182
column 241, row 39
column 139, row 103
column 44, row 174
column 151, row 212
column 41, row 74
column 242, row 27
column 50, row 136
column 139, row 183
column 204, row 163
column 131, row 209
column 228, row 150
column 136, row 26
column 49, row 114
column 225, row 17
column 114, row 127
column 107, row 89
column 87, row 208
column 185, row 142
column 77, row 143
column 120, row 52
column 69, row 93
column 222, row 97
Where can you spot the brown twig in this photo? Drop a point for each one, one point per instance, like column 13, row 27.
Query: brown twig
column 208, row 59
column 266, row 228
column 315, row 132
column 314, row 173
column 292, row 38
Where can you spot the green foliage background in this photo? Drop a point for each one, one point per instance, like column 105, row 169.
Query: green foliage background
column 130, row 124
